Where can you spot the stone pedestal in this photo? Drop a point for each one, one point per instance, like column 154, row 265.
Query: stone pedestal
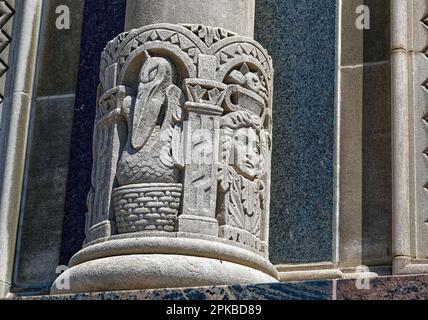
column 181, row 175
column 153, row 260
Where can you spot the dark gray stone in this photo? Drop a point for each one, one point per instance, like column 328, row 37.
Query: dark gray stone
column 59, row 56
column 301, row 37
column 39, row 239
column 365, row 166
column 311, row 290
column 103, row 20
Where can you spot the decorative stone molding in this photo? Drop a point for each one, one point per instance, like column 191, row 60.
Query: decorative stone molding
column 410, row 135
column 17, row 88
column 182, row 151
column 6, row 14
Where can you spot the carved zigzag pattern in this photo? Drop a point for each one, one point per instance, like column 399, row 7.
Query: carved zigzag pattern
column 170, row 36
column 6, row 13
column 424, row 20
column 424, row 84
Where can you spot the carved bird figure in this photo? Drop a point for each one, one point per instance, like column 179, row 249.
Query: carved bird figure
column 152, row 117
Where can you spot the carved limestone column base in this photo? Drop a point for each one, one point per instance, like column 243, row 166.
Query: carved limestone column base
column 157, row 262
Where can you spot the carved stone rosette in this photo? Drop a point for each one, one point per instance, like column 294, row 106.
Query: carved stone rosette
column 182, row 152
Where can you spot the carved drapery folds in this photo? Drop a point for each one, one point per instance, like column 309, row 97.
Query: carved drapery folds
column 182, row 136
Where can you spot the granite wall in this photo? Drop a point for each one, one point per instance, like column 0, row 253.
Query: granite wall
column 383, row 288
column 300, row 35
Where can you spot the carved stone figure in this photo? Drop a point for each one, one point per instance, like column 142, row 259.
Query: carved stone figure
column 151, row 117
column 241, row 192
column 181, row 171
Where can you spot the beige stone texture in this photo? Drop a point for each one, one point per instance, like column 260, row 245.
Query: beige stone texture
column 236, row 15
column 363, row 138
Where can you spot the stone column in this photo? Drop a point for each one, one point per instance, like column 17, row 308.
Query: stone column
column 182, row 150
column 410, row 135
column 236, row 15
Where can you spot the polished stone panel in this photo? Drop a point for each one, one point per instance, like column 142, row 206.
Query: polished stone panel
column 382, row 288
column 385, row 288
column 315, row 290
column 300, row 35
column 103, row 20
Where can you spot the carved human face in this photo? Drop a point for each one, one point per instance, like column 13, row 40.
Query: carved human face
column 246, row 152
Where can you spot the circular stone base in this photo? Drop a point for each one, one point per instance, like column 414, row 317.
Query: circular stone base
column 154, row 271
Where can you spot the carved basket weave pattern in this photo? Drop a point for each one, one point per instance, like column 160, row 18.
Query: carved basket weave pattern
column 147, row 207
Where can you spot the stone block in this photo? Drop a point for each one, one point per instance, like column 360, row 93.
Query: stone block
column 311, row 290
column 59, row 56
column 365, row 166
column 385, row 288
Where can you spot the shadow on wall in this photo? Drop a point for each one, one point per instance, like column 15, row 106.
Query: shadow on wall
column 365, row 135
column 377, row 167
column 103, row 20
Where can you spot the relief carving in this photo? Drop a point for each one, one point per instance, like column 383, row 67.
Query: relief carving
column 151, row 117
column 6, row 14
column 182, row 137
column 241, row 190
